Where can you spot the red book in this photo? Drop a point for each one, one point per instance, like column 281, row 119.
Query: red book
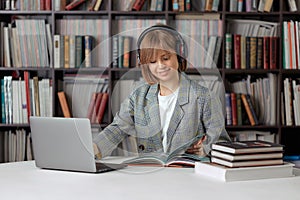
column 91, row 106
column 266, row 52
column 96, row 107
column 273, row 52
column 237, row 51
column 73, row 4
column 138, row 4
column 48, row 5
column 26, row 80
column 102, row 107
column 42, row 4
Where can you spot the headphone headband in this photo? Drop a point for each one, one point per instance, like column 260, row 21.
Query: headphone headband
column 180, row 43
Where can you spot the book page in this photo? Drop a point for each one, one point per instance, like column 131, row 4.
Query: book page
column 163, row 158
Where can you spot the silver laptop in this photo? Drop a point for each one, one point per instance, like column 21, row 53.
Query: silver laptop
column 65, row 144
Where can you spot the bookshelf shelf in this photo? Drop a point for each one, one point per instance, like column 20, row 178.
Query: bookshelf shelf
column 110, row 16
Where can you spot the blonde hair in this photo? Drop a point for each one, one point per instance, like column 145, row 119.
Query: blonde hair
column 153, row 42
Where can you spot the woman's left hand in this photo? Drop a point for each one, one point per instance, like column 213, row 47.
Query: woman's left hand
column 197, row 147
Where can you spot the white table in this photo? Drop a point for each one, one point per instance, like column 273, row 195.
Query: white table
column 22, row 180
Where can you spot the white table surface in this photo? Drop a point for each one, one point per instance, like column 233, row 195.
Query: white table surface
column 22, row 180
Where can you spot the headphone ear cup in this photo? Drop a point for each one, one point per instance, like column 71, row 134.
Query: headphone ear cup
column 138, row 56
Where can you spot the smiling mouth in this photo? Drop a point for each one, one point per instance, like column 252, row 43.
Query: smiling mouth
column 165, row 70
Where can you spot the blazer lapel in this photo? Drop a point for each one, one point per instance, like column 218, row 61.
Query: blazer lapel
column 183, row 98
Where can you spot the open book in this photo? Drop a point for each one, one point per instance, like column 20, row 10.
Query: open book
column 176, row 158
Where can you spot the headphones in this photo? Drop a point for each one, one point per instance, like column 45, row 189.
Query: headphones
column 181, row 49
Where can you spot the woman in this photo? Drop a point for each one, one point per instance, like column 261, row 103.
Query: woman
column 169, row 109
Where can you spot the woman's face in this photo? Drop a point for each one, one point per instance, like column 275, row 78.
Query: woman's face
column 164, row 66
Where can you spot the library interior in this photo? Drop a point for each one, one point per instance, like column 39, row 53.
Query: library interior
column 75, row 59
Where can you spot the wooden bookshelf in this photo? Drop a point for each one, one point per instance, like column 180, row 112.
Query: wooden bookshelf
column 279, row 13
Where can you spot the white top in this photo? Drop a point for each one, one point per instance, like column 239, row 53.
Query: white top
column 166, row 109
column 24, row 180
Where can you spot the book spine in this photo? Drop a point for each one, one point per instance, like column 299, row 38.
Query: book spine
column 2, row 102
column 96, row 107
column 239, row 109
column 91, row 106
column 27, row 90
column 62, row 51
column 74, row 4
column 97, row 5
column 102, row 107
column 233, row 109
column 228, row 50
column 126, row 54
column 215, row 6
column 121, row 51
column 78, row 51
column 248, row 54
column 36, row 96
column 253, row 41
column 92, row 5
column 188, row 5
column 273, row 52
column 175, row 5
column 115, row 51
column 259, row 53
column 138, row 4
column 237, row 51
column 88, row 41
column 228, row 109
column 63, row 103
column 248, row 109
column 240, row 5
column 159, row 5
column 48, row 5
column 292, row 5
column 268, row 5
column 67, row 51
column 243, row 52
column 72, row 51
column 266, row 52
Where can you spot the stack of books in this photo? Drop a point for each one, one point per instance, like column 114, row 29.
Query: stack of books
column 247, row 160
column 247, row 153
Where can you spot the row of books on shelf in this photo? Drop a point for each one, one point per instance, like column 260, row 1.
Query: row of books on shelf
column 25, row 43
column 82, row 95
column 122, row 51
column 28, row 5
column 90, row 5
column 16, row 145
column 190, row 5
column 97, row 107
column 245, row 52
column 250, row 5
column 245, row 160
column 25, row 97
column 251, row 44
column 291, row 45
column 140, row 5
column 257, row 97
column 95, row 43
column 236, row 107
column 290, row 106
column 73, row 51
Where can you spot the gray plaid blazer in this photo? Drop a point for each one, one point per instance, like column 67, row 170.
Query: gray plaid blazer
column 196, row 112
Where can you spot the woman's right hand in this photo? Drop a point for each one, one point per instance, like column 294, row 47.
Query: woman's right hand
column 97, row 153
